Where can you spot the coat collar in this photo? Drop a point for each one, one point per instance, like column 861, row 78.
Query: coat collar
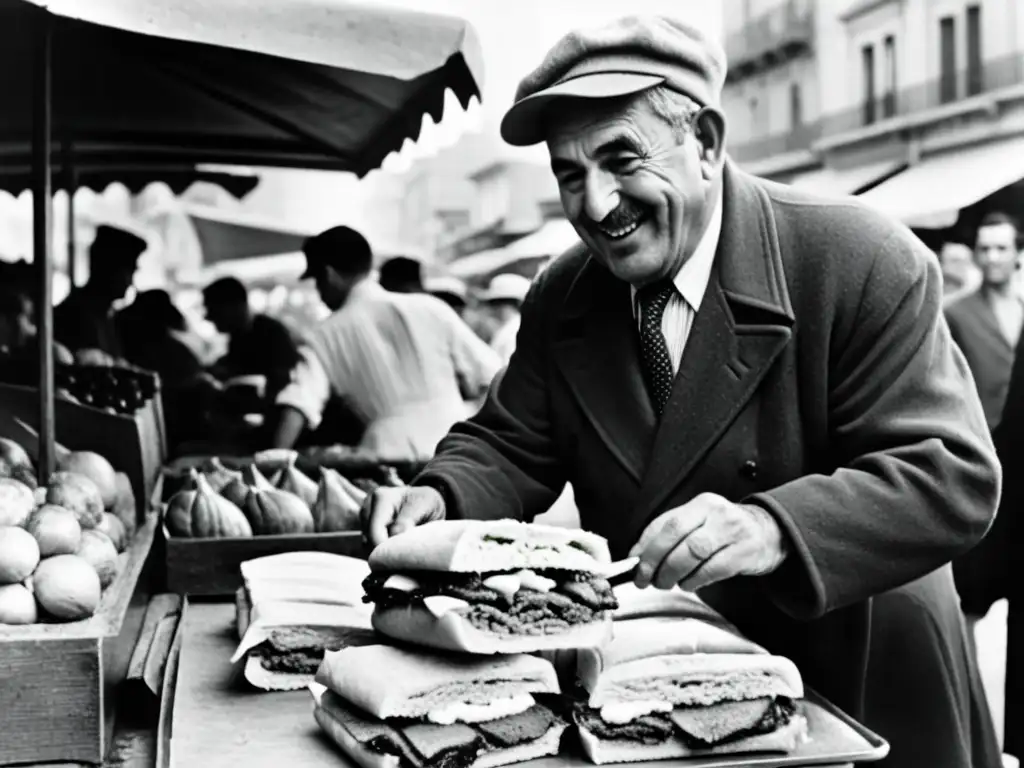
column 744, row 323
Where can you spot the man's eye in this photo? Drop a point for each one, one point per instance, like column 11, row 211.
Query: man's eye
column 570, row 181
column 624, row 164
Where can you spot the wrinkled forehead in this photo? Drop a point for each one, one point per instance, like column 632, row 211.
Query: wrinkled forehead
column 578, row 129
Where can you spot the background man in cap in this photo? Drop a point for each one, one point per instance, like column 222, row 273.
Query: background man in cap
column 750, row 388
column 400, row 361
column 401, row 274
column 85, row 320
column 504, row 298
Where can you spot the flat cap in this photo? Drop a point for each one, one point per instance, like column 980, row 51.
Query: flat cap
column 340, row 247
column 114, row 242
column 624, row 57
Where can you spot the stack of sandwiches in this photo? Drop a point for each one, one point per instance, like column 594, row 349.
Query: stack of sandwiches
column 468, row 616
column 463, row 604
column 291, row 609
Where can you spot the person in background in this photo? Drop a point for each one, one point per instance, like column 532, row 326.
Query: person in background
column 85, row 321
column 402, row 275
column 504, row 299
column 986, row 323
column 451, row 290
column 960, row 275
column 19, row 349
column 152, row 331
column 257, row 343
column 400, row 361
column 751, row 388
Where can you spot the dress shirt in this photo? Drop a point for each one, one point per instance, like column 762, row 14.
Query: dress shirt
column 691, row 282
column 504, row 341
column 402, row 363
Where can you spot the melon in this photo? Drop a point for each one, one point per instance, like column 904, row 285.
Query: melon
column 12, row 456
column 96, row 468
column 55, row 529
column 125, row 506
column 99, row 551
column 16, row 502
column 112, row 526
column 67, row 587
column 17, row 605
column 77, row 493
column 19, row 555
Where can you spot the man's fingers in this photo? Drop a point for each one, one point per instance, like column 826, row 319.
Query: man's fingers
column 412, row 510
column 378, row 512
column 689, row 555
column 720, row 566
column 661, row 537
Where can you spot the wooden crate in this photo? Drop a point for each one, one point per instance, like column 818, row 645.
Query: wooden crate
column 210, row 567
column 59, row 682
column 134, row 444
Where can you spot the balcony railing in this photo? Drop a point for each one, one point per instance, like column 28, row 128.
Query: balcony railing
column 774, row 35
column 994, row 75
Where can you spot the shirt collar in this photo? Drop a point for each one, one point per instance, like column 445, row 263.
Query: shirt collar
column 692, row 278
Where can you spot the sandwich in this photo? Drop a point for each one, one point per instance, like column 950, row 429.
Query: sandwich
column 491, row 587
column 388, row 707
column 291, row 609
column 670, row 687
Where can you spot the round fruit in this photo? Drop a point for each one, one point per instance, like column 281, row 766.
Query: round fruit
column 16, row 502
column 19, row 555
column 99, row 552
column 55, row 529
column 12, row 456
column 77, row 493
column 67, row 587
column 112, row 526
column 17, row 605
column 97, row 469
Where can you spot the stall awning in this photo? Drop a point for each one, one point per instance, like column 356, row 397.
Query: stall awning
column 832, row 182
column 16, row 179
column 334, row 84
column 935, row 189
column 552, row 239
column 226, row 236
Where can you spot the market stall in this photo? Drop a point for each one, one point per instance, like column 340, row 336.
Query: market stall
column 158, row 84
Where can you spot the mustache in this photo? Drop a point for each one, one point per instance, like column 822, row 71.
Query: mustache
column 625, row 213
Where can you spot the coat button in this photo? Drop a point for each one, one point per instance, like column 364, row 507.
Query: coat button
column 749, row 469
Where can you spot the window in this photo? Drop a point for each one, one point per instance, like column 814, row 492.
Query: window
column 889, row 98
column 974, row 69
column 867, row 56
column 947, row 59
column 796, row 107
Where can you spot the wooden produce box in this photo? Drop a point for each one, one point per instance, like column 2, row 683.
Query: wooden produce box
column 210, row 567
column 133, row 444
column 59, row 682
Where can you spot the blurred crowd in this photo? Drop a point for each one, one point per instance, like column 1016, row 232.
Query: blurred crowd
column 399, row 360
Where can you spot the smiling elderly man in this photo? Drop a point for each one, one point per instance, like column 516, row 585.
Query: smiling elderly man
column 751, row 388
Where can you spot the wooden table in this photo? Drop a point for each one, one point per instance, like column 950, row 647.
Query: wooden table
column 219, row 723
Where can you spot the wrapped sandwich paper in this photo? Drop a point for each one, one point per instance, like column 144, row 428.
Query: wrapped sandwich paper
column 291, row 608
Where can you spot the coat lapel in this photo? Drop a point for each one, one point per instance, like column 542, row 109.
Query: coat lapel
column 597, row 352
column 743, row 324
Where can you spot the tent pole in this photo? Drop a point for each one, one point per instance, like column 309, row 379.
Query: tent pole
column 71, row 185
column 42, row 205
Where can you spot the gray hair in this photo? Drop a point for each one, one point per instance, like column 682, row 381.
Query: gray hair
column 673, row 107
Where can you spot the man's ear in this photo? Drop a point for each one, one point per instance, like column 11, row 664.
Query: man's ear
column 709, row 129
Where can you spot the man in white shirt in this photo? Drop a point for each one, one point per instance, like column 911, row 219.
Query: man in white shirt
column 504, row 298
column 402, row 362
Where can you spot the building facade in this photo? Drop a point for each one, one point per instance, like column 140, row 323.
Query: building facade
column 917, row 104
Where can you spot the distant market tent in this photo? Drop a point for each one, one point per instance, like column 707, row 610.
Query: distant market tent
column 524, row 256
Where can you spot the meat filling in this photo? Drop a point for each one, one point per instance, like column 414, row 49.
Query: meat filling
column 427, row 745
column 299, row 650
column 576, row 598
column 689, row 724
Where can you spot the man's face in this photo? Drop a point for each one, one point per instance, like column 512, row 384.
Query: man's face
column 117, row 279
column 18, row 330
column 223, row 317
column 956, row 260
column 634, row 191
column 332, row 287
column 996, row 253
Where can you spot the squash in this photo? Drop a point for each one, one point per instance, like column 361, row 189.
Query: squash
column 335, row 508
column 293, row 480
column 237, row 490
column 202, row 513
column 218, row 475
column 272, row 511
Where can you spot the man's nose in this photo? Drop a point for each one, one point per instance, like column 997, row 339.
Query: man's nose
column 601, row 196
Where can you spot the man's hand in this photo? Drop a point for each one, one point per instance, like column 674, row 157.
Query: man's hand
column 389, row 511
column 707, row 540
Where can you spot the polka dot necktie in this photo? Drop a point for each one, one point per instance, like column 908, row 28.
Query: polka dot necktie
column 657, row 363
